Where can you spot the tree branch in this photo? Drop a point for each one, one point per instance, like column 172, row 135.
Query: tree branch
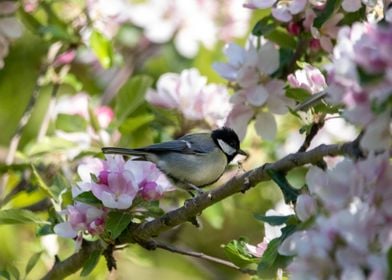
column 143, row 233
column 62, row 269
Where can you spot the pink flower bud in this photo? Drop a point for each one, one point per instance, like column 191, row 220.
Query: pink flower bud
column 294, row 28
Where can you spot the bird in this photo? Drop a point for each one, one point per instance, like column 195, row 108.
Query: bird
column 192, row 161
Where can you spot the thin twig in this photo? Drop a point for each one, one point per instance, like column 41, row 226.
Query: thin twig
column 203, row 256
column 49, row 112
column 314, row 129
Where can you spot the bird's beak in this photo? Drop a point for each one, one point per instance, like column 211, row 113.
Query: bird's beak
column 241, row 152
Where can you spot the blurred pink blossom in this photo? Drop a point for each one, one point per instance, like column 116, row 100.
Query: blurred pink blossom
column 10, row 28
column 281, row 10
column 364, row 49
column 190, row 22
column 190, row 95
column 349, row 231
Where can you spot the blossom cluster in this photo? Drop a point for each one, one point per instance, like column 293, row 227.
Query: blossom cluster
column 189, row 23
column 249, row 70
column 116, row 183
column 360, row 77
column 351, row 233
column 189, row 94
column 10, row 28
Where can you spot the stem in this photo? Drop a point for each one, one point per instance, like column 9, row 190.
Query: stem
column 203, row 256
column 52, row 103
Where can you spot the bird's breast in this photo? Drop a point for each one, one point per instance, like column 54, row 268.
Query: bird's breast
column 196, row 169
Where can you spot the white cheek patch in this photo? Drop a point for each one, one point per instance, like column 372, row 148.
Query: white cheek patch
column 226, row 148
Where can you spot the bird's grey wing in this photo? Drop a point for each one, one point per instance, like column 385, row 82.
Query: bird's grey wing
column 179, row 146
column 199, row 143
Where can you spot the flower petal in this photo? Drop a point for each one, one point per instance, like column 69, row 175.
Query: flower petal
column 265, row 126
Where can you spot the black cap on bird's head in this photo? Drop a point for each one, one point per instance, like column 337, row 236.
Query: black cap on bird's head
column 227, row 140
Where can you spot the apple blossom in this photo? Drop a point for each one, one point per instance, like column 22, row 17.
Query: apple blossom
column 347, row 235
column 192, row 97
column 363, row 50
column 251, row 69
column 81, row 218
column 117, row 182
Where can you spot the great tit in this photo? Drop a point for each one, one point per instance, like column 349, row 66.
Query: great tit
column 194, row 160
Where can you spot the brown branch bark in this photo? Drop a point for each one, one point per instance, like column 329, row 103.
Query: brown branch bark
column 143, row 233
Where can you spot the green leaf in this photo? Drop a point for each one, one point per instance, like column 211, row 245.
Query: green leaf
column 71, row 123
column 289, row 193
column 48, row 144
column 41, row 184
column 116, row 223
column 45, row 230
column 389, row 261
column 237, row 252
column 29, row 21
column 91, row 263
column 131, row 96
column 282, row 38
column 19, row 216
column 88, row 198
column 298, row 94
column 73, row 81
column 102, row 48
column 32, row 262
column 326, row 13
column 13, row 167
column 13, row 271
column 5, row 274
column 132, row 124
column 264, row 26
column 273, row 220
column 269, row 255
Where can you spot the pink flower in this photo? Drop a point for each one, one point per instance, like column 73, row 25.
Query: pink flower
column 81, row 218
column 116, row 186
column 152, row 183
column 309, row 78
column 116, row 182
column 190, row 95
